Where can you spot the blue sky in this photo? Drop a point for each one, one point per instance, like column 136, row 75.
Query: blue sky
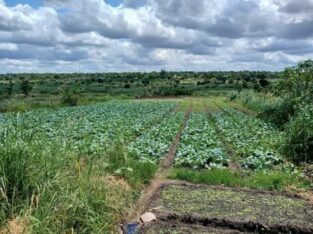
column 33, row 3
column 37, row 3
column 146, row 35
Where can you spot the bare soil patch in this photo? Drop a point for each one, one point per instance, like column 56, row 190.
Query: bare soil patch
column 159, row 178
column 17, row 225
column 171, row 226
column 235, row 208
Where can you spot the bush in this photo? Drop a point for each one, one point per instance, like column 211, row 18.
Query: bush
column 26, row 87
column 299, row 143
column 70, row 94
column 278, row 113
column 232, row 96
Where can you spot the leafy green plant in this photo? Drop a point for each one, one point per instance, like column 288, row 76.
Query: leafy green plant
column 54, row 165
column 200, row 146
column 154, row 144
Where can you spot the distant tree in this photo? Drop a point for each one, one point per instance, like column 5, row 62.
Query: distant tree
column 245, row 84
column 127, row 86
column 10, row 88
column 264, row 83
column 100, row 80
column 163, row 74
column 26, row 87
column 70, row 94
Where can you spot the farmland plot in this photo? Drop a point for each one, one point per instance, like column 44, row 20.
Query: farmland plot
column 90, row 129
column 200, row 146
column 155, row 143
column 254, row 141
column 55, row 165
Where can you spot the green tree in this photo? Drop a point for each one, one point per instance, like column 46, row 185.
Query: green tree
column 70, row 94
column 10, row 88
column 26, row 87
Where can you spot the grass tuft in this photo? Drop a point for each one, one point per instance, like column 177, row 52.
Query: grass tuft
column 272, row 180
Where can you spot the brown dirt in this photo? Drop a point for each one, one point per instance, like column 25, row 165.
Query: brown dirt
column 236, row 208
column 15, row 226
column 143, row 202
column 307, row 195
column 116, row 181
column 171, row 226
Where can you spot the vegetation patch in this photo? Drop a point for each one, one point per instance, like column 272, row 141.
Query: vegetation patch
column 200, row 146
column 264, row 209
column 270, row 180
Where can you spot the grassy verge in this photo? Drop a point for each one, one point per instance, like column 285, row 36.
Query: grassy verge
column 46, row 188
column 272, row 180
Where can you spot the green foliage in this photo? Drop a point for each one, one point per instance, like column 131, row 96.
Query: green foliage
column 278, row 112
column 299, row 141
column 70, row 94
column 275, row 180
column 214, row 176
column 26, row 87
column 200, row 146
column 270, row 180
column 54, row 165
column 10, row 88
column 127, row 165
column 154, row 143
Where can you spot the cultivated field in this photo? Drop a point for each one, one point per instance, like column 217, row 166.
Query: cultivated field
column 89, row 168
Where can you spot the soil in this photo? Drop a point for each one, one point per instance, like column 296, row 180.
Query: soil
column 15, row 226
column 172, row 226
column 237, row 208
column 183, row 207
column 159, row 178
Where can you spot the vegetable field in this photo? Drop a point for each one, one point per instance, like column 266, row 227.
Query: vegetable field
column 200, row 146
column 80, row 169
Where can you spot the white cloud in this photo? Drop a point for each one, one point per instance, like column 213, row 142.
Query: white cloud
column 155, row 34
column 8, row 46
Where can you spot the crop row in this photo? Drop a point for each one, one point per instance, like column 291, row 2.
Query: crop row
column 255, row 142
column 155, row 143
column 87, row 129
column 200, row 146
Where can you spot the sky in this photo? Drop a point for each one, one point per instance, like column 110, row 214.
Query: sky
column 150, row 35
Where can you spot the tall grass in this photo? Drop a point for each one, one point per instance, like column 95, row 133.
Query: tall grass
column 56, row 190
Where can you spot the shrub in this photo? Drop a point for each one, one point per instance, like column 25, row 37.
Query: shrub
column 26, row 87
column 278, row 112
column 70, row 94
column 299, row 143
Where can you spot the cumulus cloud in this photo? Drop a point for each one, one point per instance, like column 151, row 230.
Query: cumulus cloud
column 296, row 6
column 155, row 34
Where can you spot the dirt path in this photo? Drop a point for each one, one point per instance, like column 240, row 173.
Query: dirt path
column 229, row 149
column 182, row 207
column 160, row 177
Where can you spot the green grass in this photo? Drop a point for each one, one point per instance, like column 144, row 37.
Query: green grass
column 201, row 104
column 22, row 104
column 59, row 191
column 272, row 180
column 128, row 166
